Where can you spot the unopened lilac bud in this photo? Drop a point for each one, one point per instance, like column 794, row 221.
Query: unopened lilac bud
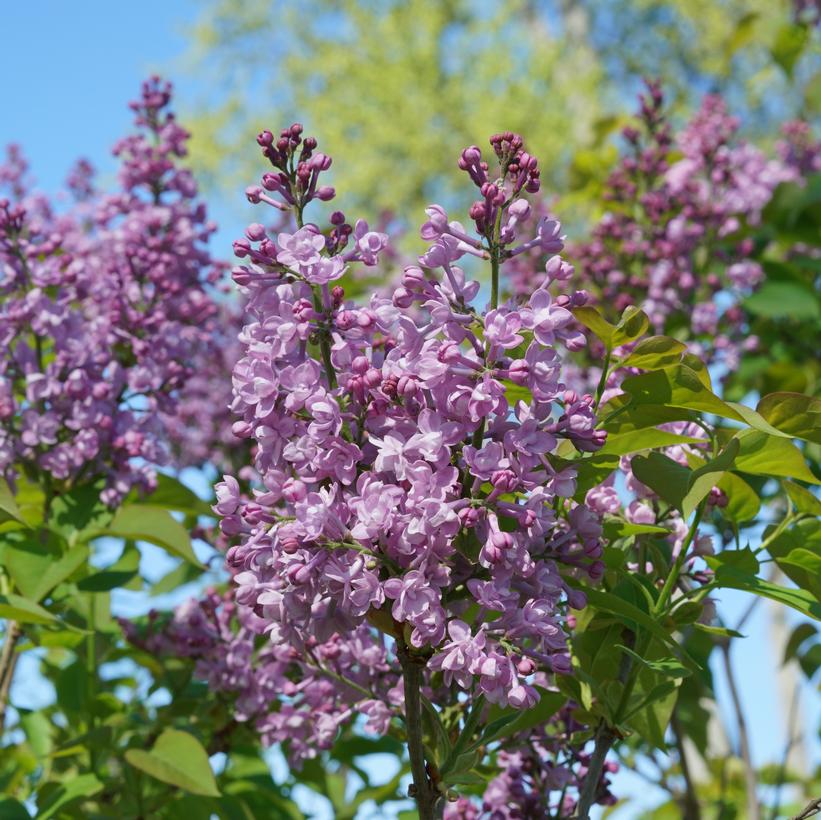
column 526, row 667
column 469, row 516
column 402, row 298
column 294, row 490
column 561, row 664
column 406, row 386
column 520, row 208
column 519, row 371
column 596, row 570
column 389, row 386
column 413, row 278
column 241, row 248
column 325, row 193
column 255, row 232
column 576, row 599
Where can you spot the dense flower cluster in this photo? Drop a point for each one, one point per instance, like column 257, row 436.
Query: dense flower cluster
column 404, row 446
column 670, row 241
column 295, row 698
column 103, row 309
column 540, row 775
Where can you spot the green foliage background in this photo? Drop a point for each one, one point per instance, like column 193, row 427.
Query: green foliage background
column 397, row 89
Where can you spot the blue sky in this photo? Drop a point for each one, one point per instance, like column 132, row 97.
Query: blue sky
column 68, row 72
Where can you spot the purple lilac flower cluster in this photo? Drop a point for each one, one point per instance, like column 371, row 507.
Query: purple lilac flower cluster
column 798, row 149
column 540, row 775
column 404, row 446
column 104, row 307
column 670, row 241
column 299, row 699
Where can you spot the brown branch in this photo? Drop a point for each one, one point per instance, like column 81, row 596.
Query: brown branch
column 810, row 810
column 8, row 661
column 424, row 793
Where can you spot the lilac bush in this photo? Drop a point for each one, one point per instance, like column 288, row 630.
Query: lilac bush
column 106, row 305
column 466, row 516
column 670, row 241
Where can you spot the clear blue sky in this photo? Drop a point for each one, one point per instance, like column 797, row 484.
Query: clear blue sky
column 69, row 69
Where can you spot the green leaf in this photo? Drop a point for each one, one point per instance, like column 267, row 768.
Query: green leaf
column 667, row 478
column 435, row 731
column 761, row 454
column 804, row 500
column 743, row 502
column 39, row 730
column 778, row 300
column 37, row 571
column 648, row 438
column 178, row 759
column 620, row 416
column 720, row 631
column 744, row 560
column 608, row 602
column 632, row 325
column 172, row 494
column 801, row 633
column 83, row 785
column 508, row 722
column 807, row 562
column 742, row 33
column 593, row 320
column 9, row 511
column 800, row 600
column 788, row 45
column 617, row 528
column 182, row 574
column 17, row 608
column 803, row 535
column 680, row 386
column 516, row 392
column 793, row 413
column 666, row 667
column 703, row 479
column 655, row 352
column 11, row 809
column 75, row 513
column 120, row 573
column 699, row 368
column 142, row 522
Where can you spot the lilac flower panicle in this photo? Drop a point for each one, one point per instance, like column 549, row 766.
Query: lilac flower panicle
column 107, row 313
column 406, row 481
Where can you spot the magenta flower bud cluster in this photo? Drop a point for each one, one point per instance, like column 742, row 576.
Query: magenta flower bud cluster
column 103, row 309
column 406, row 445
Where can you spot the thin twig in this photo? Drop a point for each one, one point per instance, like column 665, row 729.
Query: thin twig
column 692, row 810
column 810, row 810
column 753, row 810
column 8, row 660
column 606, row 734
column 792, row 739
